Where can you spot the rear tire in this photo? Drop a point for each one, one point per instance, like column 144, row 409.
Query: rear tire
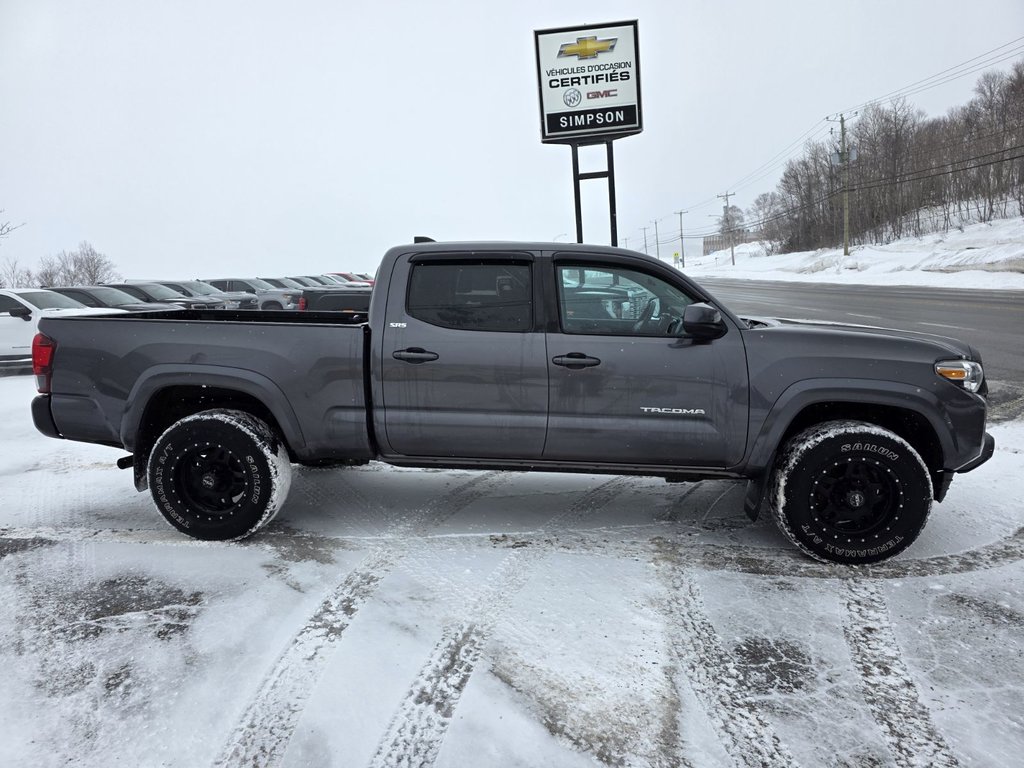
column 850, row 492
column 219, row 475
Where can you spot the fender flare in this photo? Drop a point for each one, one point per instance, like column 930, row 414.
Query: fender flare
column 809, row 392
column 159, row 377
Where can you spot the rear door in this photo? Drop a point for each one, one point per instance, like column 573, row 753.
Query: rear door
column 627, row 385
column 463, row 366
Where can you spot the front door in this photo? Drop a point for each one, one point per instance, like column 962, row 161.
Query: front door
column 463, row 368
column 627, row 386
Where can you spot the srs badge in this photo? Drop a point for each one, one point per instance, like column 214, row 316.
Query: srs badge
column 587, row 47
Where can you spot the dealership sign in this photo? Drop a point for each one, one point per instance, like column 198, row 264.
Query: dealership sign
column 589, row 81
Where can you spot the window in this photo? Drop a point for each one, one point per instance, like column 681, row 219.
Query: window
column 50, row 300
column 7, row 304
column 480, row 296
column 603, row 300
column 83, row 298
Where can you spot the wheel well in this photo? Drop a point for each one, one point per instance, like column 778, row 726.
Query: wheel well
column 173, row 403
column 910, row 425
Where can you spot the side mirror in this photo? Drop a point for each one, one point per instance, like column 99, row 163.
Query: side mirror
column 702, row 322
column 23, row 312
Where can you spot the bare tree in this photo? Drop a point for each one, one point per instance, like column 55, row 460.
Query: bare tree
column 911, row 175
column 13, row 276
column 6, row 227
column 50, row 273
column 90, row 266
column 86, row 266
column 731, row 220
column 766, row 213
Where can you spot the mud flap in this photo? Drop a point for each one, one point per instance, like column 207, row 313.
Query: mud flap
column 139, row 467
column 754, row 498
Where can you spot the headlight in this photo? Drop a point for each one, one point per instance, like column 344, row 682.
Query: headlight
column 966, row 373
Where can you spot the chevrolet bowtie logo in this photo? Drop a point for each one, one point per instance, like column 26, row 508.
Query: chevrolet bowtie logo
column 587, row 47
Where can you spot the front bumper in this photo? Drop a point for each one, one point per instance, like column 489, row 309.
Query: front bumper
column 987, row 449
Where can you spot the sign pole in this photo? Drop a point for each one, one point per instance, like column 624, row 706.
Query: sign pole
column 612, row 216
column 576, row 191
column 609, row 174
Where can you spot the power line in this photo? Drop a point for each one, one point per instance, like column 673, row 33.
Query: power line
column 976, row 63
column 925, row 83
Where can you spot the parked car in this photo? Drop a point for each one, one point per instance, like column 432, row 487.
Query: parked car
column 20, row 311
column 105, row 296
column 355, row 277
column 269, row 296
column 150, row 291
column 283, row 282
column 307, row 282
column 333, row 277
column 197, row 288
column 355, row 301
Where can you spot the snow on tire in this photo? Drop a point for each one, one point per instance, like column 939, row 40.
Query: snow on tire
column 219, row 474
column 850, row 492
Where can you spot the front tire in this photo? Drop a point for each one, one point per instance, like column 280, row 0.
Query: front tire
column 219, row 475
column 850, row 492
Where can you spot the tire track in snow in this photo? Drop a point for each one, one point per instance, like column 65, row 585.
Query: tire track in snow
column 736, row 558
column 790, row 562
column 417, row 729
column 886, row 683
column 266, row 727
column 714, row 675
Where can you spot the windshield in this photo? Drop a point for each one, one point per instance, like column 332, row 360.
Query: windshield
column 200, row 288
column 112, row 297
column 158, row 291
column 287, row 282
column 263, row 285
column 50, row 300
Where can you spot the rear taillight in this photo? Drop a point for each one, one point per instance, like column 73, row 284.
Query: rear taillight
column 43, row 348
column 302, row 302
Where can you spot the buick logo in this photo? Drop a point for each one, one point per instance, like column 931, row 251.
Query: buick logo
column 572, row 97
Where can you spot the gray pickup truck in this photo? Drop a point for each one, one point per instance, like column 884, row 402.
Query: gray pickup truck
column 526, row 356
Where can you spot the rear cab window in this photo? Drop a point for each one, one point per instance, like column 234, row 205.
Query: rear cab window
column 472, row 295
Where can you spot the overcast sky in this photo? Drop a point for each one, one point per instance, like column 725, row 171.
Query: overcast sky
column 208, row 138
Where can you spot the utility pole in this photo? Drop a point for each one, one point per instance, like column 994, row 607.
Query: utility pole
column 657, row 245
column 845, row 155
column 682, row 253
column 625, row 242
column 645, row 238
column 727, row 220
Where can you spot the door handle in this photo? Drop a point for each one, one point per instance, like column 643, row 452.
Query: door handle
column 575, row 361
column 414, row 355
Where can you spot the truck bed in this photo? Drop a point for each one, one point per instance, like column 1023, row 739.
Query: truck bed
column 308, row 368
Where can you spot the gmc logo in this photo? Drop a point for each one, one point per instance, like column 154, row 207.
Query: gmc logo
column 603, row 94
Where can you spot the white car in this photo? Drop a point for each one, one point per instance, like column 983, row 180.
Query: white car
column 20, row 310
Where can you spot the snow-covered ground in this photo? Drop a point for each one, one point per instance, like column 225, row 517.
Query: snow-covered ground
column 987, row 255
column 399, row 617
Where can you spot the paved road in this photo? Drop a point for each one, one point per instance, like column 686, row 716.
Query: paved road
column 990, row 320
